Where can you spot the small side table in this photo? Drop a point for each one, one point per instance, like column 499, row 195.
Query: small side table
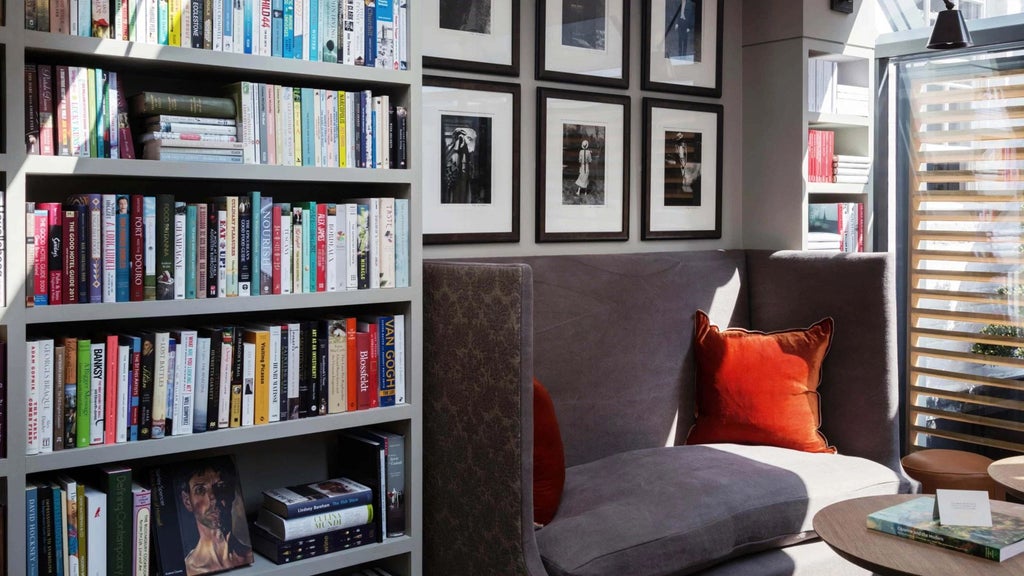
column 1010, row 473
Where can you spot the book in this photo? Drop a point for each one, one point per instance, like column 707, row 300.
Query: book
column 303, row 526
column 153, row 103
column 284, row 551
column 184, row 492
column 363, row 459
column 914, row 520
column 141, row 518
column 116, row 483
column 95, row 507
column 310, row 499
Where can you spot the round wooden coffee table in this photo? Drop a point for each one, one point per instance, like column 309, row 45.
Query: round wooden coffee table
column 843, row 526
column 1010, row 473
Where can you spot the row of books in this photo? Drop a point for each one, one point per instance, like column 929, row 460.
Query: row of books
column 824, row 165
column 366, row 504
column 826, row 94
column 851, row 169
column 127, row 387
column 836, row 227
column 76, row 111
column 370, row 33
column 97, row 248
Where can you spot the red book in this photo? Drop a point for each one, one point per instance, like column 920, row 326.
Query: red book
column 374, row 359
column 125, row 144
column 275, row 233
column 54, row 253
column 136, row 250
column 110, row 392
column 321, row 247
column 351, row 367
column 41, row 280
column 202, row 246
column 63, row 117
column 70, row 249
column 44, row 75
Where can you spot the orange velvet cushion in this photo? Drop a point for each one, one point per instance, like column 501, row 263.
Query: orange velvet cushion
column 758, row 388
column 548, row 457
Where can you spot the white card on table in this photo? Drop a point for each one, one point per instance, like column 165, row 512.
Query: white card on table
column 962, row 507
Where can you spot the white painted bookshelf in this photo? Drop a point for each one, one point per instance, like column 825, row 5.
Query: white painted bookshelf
column 270, row 455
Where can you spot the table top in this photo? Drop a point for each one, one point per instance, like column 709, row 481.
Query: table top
column 843, row 526
column 1010, row 473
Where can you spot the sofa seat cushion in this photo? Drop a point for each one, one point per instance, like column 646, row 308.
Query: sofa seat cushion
column 676, row 510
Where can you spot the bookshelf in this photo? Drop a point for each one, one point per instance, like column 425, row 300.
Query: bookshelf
column 777, row 154
column 270, row 455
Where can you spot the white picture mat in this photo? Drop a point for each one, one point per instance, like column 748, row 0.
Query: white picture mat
column 494, row 48
column 702, row 73
column 441, row 218
column 584, row 218
column 559, row 58
column 673, row 218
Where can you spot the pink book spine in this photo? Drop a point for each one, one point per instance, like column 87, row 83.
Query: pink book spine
column 41, row 281
column 275, row 232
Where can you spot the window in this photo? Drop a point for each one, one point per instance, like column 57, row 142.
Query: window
column 899, row 15
column 962, row 134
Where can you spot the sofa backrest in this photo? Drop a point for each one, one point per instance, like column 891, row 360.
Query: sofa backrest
column 612, row 341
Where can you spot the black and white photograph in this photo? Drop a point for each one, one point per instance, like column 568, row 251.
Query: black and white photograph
column 466, row 15
column 683, row 30
column 470, row 149
column 682, row 168
column 479, row 36
column 583, row 41
column 583, row 24
column 583, row 166
column 682, row 46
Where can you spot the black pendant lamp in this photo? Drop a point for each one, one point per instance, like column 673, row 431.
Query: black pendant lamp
column 950, row 30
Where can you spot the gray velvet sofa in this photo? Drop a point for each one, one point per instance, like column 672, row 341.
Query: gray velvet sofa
column 610, row 336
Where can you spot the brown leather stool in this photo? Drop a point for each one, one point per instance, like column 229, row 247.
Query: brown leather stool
column 955, row 469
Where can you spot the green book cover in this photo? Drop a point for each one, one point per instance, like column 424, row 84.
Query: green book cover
column 914, row 520
column 191, row 254
column 116, row 482
column 90, row 76
column 255, row 225
column 84, row 396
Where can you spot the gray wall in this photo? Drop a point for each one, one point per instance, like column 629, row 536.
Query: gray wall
column 732, row 174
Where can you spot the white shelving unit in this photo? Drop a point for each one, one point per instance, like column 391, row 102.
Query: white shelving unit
column 270, row 455
column 775, row 149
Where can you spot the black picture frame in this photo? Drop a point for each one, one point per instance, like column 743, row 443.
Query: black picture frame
column 687, row 72
column 599, row 207
column 445, row 47
column 583, row 46
column 493, row 109
column 693, row 210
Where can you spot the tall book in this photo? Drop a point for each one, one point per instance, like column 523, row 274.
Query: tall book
column 164, row 247
column 115, row 481
column 914, row 520
column 141, row 526
column 362, row 457
column 95, row 503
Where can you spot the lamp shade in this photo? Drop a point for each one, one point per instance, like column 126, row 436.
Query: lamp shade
column 950, row 31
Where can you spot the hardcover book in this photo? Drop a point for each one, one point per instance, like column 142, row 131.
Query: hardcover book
column 914, row 520
column 199, row 524
column 309, row 499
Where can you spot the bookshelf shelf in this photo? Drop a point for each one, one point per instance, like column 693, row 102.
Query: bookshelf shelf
column 211, row 440
column 161, row 169
column 208, row 306
column 134, row 55
column 281, row 453
column 827, row 121
column 823, row 188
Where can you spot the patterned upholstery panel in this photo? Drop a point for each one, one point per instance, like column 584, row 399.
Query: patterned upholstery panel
column 478, row 427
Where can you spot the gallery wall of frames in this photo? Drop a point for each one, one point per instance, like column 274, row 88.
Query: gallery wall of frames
column 580, row 126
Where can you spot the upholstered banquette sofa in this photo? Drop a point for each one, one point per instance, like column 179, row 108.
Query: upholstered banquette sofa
column 611, row 337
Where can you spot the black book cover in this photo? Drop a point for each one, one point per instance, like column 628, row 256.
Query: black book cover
column 361, row 458
column 307, row 346
column 216, row 336
column 47, row 542
column 323, row 372
column 146, row 383
column 82, row 214
column 196, row 23
column 198, row 507
column 284, row 373
column 285, row 551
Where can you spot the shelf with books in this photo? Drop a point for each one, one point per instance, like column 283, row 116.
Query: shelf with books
column 218, row 439
column 134, row 55
column 214, row 306
column 76, row 166
column 330, row 562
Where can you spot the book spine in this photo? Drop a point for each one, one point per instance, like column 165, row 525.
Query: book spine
column 31, row 530
column 283, row 552
column 386, row 360
column 34, row 386
column 302, row 527
column 214, row 382
column 399, row 359
column 109, row 248
column 136, row 388
column 321, row 248
column 287, row 28
column 395, row 485
column 69, row 380
column 274, row 372
column 46, row 395
column 137, row 248
column 41, row 257
column 201, row 390
column 123, row 392
column 117, row 484
column 141, row 523
column 123, row 262
column 402, row 242
column 169, row 554
column 146, row 386
column 31, row 109
column 294, row 373
column 202, row 250
column 180, row 218
column 84, row 392
column 111, row 125
column 244, row 246
column 97, row 366
column 191, row 250
column 248, row 383
column 45, row 108
column 54, row 252
column 110, row 389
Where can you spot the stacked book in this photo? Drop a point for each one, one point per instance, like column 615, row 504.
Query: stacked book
column 835, row 227
column 820, row 146
column 308, row 520
column 852, row 100
column 851, row 169
column 826, row 95
column 194, row 133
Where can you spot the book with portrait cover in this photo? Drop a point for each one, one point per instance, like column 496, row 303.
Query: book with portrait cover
column 199, row 524
column 914, row 520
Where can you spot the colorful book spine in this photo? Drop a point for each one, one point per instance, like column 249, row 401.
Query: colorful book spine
column 137, row 248
column 141, row 526
column 122, row 222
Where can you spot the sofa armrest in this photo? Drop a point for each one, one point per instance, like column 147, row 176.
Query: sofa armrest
column 478, row 420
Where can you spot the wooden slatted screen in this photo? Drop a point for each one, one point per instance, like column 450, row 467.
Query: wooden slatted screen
column 963, row 128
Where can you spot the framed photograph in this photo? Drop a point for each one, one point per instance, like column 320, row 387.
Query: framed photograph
column 682, row 160
column 471, row 36
column 583, row 41
column 470, row 161
column 682, row 49
column 582, row 166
